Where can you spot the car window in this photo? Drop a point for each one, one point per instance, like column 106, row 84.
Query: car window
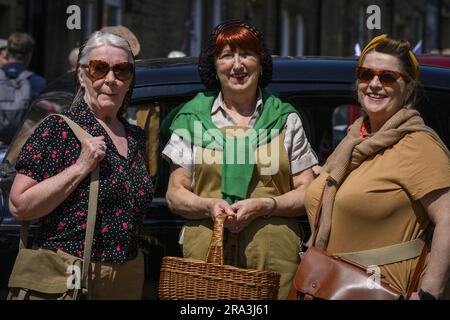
column 55, row 102
column 153, row 117
column 325, row 120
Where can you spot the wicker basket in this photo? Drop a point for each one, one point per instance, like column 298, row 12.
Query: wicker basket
column 192, row 279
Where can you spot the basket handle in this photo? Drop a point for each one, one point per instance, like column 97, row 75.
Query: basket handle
column 215, row 250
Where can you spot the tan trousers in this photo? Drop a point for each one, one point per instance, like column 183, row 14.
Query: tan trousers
column 111, row 281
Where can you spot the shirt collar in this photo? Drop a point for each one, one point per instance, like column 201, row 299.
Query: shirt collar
column 219, row 104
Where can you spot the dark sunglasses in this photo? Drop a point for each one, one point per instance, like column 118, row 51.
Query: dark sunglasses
column 98, row 69
column 386, row 77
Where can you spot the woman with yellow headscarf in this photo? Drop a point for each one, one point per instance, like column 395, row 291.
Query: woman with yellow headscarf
column 385, row 188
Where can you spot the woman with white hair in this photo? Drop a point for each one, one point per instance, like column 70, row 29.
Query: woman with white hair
column 53, row 173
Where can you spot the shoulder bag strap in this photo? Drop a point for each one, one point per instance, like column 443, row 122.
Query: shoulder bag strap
column 417, row 272
column 92, row 209
column 318, row 214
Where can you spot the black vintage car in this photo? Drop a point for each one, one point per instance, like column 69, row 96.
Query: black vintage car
column 322, row 89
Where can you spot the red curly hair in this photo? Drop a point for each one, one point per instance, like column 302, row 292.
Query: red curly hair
column 237, row 37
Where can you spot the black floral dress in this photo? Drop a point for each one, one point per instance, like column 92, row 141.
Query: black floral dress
column 125, row 191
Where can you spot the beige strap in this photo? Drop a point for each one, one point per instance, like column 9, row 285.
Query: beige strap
column 386, row 255
column 24, row 235
column 92, row 209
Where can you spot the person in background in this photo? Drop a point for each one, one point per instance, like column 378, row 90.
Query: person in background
column 18, row 86
column 261, row 200
column 3, row 56
column 53, row 173
column 387, row 184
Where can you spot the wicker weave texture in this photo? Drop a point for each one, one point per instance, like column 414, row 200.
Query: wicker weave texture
column 190, row 279
column 195, row 279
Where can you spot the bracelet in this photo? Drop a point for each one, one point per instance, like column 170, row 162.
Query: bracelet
column 269, row 215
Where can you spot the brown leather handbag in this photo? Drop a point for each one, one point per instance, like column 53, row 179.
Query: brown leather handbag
column 325, row 276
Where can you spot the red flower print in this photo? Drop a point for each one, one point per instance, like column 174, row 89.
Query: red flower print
column 127, row 187
column 119, row 212
column 94, row 128
column 120, row 168
column 50, row 239
column 29, row 148
column 30, row 174
column 79, row 253
column 61, row 121
column 84, row 127
column 105, row 229
column 58, row 248
column 125, row 226
column 53, row 154
column 77, row 145
column 45, row 133
column 133, row 165
column 141, row 192
column 60, row 226
column 37, row 156
column 113, row 181
column 74, row 161
column 45, row 175
column 84, row 226
column 130, row 138
column 118, row 247
column 66, row 151
column 80, row 214
column 64, row 135
column 83, row 112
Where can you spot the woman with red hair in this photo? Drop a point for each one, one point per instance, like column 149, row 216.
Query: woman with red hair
column 240, row 151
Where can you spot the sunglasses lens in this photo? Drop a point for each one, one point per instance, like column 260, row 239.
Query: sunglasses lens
column 388, row 77
column 98, row 69
column 123, row 70
column 364, row 74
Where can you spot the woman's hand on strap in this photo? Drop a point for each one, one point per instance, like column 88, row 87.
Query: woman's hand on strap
column 93, row 150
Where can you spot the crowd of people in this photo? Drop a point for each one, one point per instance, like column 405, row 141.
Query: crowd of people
column 389, row 158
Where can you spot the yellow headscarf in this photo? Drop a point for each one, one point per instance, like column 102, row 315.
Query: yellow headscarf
column 375, row 41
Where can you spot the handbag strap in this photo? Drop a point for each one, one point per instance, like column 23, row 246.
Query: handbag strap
column 386, row 255
column 417, row 272
column 81, row 134
column 318, row 214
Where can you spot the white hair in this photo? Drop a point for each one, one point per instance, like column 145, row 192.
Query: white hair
column 100, row 38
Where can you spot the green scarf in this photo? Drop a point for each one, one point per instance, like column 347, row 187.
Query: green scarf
column 193, row 122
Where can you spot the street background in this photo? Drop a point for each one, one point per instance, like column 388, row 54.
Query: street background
column 291, row 27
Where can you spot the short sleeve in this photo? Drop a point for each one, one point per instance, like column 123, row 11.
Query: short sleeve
column 300, row 153
column 425, row 166
column 43, row 154
column 179, row 152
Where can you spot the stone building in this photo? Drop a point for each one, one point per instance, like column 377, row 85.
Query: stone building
column 291, row 27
